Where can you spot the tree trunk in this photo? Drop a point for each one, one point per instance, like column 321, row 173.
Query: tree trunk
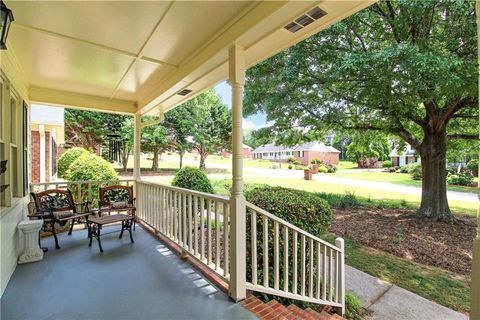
column 434, row 203
column 181, row 159
column 155, row 161
column 203, row 156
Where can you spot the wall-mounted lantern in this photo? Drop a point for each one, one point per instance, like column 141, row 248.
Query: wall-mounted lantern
column 6, row 19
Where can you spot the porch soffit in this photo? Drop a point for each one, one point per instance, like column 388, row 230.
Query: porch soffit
column 138, row 55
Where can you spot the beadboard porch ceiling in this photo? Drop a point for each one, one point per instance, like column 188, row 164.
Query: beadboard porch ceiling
column 139, row 55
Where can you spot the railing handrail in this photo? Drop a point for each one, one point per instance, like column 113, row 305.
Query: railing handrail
column 291, row 226
column 188, row 191
column 79, row 181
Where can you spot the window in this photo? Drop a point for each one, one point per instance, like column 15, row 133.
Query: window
column 13, row 120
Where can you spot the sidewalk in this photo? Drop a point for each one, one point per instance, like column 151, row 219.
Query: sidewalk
column 387, row 301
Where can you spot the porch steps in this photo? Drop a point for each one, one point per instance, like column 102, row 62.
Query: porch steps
column 274, row 310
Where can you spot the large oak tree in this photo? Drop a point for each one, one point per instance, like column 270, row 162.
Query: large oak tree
column 407, row 68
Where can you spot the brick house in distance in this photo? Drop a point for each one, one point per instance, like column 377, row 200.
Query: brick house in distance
column 406, row 156
column 304, row 153
column 246, row 151
column 48, row 134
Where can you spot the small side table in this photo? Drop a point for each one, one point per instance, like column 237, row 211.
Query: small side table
column 95, row 226
column 32, row 251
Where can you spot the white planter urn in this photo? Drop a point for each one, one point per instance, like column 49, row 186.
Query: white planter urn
column 32, row 251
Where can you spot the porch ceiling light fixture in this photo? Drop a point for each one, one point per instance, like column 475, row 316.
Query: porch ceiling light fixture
column 6, row 20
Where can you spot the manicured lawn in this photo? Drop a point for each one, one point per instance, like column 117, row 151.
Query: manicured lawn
column 346, row 165
column 435, row 284
column 396, row 178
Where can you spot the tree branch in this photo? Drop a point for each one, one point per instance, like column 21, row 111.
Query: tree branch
column 463, row 136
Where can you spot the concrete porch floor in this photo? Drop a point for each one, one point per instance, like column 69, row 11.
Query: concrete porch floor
column 143, row 280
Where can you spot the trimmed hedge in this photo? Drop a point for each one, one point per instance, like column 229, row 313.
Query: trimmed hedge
column 305, row 210
column 193, row 179
column 67, row 159
column 387, row 164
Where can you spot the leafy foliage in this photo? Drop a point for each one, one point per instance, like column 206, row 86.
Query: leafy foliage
column 415, row 170
column 353, row 306
column 472, row 166
column 67, row 159
column 387, row 164
column 179, row 124
column 90, row 167
column 155, row 140
column 460, row 179
column 193, row 179
column 405, row 68
column 304, row 209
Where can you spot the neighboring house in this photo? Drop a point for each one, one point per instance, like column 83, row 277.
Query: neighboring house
column 304, row 153
column 246, row 151
column 406, row 156
column 48, row 135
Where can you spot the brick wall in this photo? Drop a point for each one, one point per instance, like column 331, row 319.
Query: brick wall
column 48, row 156
column 35, row 155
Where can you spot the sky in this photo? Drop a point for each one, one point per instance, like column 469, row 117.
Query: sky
column 254, row 122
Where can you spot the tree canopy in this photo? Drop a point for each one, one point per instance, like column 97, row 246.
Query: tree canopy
column 406, row 68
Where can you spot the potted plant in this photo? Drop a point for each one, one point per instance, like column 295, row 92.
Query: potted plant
column 307, row 173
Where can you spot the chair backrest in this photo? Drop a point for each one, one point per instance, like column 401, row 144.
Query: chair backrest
column 53, row 200
column 115, row 194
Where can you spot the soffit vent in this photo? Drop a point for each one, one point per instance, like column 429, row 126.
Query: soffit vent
column 184, row 92
column 305, row 19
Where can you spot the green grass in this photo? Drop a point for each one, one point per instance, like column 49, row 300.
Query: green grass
column 431, row 283
column 396, row 178
column 346, row 165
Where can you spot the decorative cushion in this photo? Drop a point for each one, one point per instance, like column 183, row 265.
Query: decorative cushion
column 62, row 214
column 118, row 204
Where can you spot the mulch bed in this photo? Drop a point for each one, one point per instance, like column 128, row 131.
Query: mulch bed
column 447, row 246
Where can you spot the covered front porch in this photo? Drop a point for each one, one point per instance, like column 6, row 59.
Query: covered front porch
column 143, row 280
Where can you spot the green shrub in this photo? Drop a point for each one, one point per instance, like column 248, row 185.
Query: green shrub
column 387, row 164
column 341, row 201
column 90, row 167
column 472, row 166
column 304, row 209
column 193, row 179
column 290, row 167
column 297, row 167
column 332, row 168
column 323, row 169
column 67, row 159
column 353, row 306
column 460, row 179
column 316, row 161
column 415, row 170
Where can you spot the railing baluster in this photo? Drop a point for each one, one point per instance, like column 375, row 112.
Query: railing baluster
column 184, row 218
column 254, row 247
column 285, row 259
column 217, row 235
column 265, row 252
column 189, row 224
column 90, row 197
column 324, row 287
column 302, row 265
column 195, row 224
column 295, row 262
column 226, row 238
column 276, row 256
column 209, row 231
column 312, row 250
column 79, row 192
column 330, row 292
column 319, row 253
column 202, row 228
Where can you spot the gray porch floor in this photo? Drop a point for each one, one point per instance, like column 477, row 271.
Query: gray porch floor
column 143, row 280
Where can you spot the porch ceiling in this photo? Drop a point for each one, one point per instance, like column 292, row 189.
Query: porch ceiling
column 138, row 55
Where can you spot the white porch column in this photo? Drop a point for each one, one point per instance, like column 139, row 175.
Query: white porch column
column 136, row 146
column 237, row 289
column 475, row 293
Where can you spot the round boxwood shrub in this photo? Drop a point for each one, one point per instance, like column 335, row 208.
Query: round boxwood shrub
column 193, row 179
column 460, row 179
column 387, row 164
column 67, row 159
column 323, row 169
column 415, row 170
column 305, row 210
column 90, row 167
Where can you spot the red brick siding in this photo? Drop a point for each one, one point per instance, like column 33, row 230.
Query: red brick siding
column 47, row 156
column 35, row 154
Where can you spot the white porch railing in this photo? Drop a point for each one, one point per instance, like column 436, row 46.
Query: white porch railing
column 297, row 265
column 81, row 190
column 312, row 270
column 197, row 222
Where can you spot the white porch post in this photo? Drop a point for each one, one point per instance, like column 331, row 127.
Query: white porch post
column 136, row 146
column 237, row 289
column 475, row 293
